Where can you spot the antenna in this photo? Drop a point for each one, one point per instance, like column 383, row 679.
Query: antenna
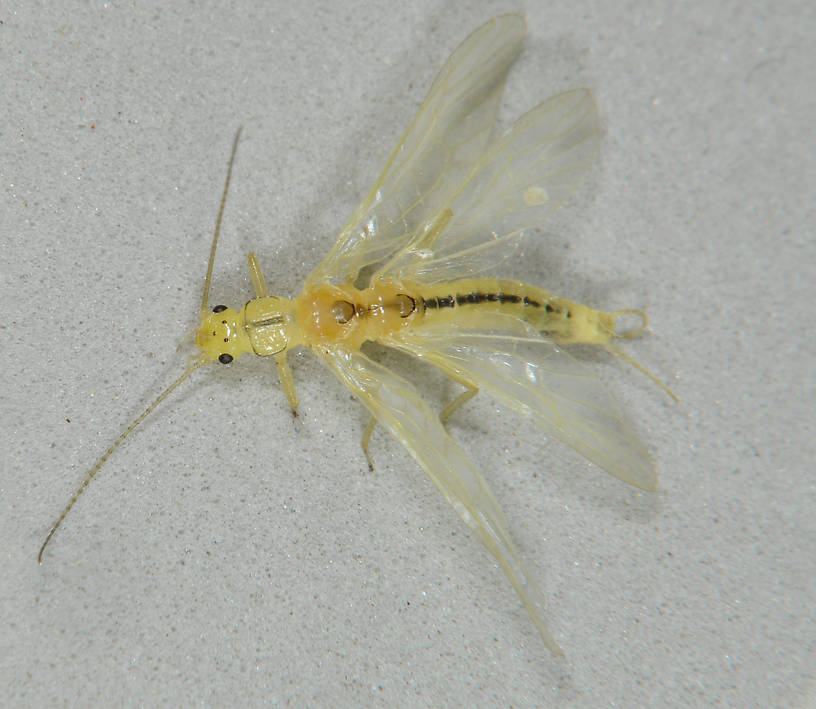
column 208, row 278
column 194, row 364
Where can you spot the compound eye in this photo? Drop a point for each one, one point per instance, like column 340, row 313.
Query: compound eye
column 225, row 358
column 219, row 308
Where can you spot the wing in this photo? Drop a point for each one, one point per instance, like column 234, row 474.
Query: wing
column 398, row 407
column 520, row 180
column 530, row 374
column 437, row 152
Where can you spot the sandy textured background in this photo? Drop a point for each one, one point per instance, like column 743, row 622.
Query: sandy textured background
column 228, row 557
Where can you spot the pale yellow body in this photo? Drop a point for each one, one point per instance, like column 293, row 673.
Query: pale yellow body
column 330, row 315
column 449, row 206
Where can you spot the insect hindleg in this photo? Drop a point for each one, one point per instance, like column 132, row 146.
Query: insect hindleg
column 366, row 440
column 444, row 415
column 460, row 400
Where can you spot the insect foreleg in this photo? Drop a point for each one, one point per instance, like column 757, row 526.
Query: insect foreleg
column 258, row 280
column 287, row 382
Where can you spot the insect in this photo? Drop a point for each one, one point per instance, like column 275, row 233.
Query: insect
column 408, row 272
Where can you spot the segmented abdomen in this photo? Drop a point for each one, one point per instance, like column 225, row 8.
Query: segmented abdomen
column 464, row 301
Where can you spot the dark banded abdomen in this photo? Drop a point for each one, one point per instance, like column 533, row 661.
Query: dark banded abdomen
column 561, row 319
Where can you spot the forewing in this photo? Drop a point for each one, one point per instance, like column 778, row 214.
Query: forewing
column 399, row 409
column 522, row 177
column 528, row 373
column 434, row 156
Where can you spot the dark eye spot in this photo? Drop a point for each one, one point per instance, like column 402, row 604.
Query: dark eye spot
column 225, row 358
column 219, row 308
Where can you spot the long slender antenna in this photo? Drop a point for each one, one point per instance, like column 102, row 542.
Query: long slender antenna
column 208, row 279
column 194, row 364
column 191, row 367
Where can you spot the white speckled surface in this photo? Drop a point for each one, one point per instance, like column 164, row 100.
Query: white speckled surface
column 226, row 557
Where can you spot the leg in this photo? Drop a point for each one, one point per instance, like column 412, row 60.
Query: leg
column 444, row 415
column 460, row 400
column 258, row 281
column 287, row 382
column 369, row 429
column 285, row 374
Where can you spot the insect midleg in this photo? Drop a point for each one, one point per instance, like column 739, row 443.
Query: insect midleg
column 257, row 276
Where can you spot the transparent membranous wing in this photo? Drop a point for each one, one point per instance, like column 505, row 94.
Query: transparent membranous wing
column 435, row 156
column 522, row 177
column 397, row 406
column 528, row 373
